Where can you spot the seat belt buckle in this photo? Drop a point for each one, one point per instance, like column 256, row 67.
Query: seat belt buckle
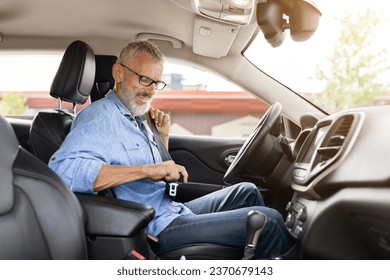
column 172, row 189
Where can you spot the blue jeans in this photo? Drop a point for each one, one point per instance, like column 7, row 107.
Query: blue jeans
column 220, row 218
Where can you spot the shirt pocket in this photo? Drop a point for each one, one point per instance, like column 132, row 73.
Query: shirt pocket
column 133, row 154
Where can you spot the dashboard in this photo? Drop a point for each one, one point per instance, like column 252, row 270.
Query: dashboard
column 341, row 181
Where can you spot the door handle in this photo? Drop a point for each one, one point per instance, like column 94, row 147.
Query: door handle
column 229, row 159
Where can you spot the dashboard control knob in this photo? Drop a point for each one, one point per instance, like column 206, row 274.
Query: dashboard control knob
column 289, row 206
column 301, row 216
column 290, row 221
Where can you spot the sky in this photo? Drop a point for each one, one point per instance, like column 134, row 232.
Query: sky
column 36, row 72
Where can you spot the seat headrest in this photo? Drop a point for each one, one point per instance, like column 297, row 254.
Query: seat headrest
column 9, row 147
column 75, row 75
column 103, row 76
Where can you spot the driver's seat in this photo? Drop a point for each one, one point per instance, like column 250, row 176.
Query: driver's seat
column 72, row 83
column 84, row 66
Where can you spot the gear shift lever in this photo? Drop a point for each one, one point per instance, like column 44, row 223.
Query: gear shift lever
column 254, row 226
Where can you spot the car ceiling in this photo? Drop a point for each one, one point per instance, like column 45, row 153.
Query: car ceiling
column 48, row 24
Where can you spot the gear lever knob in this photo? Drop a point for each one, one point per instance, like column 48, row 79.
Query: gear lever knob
column 254, row 226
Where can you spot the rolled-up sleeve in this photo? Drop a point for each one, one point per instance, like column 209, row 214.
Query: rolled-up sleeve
column 84, row 151
column 78, row 173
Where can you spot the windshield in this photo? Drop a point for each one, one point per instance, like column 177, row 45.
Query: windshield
column 346, row 62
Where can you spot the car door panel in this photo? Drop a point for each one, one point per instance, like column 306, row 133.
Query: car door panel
column 203, row 157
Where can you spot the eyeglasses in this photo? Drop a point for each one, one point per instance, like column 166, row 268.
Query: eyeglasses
column 146, row 81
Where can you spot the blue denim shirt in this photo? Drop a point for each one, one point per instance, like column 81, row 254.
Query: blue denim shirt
column 106, row 133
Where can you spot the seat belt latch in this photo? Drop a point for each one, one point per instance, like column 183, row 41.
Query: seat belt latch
column 172, row 191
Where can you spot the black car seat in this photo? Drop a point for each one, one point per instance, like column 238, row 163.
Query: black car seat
column 103, row 76
column 72, row 83
column 40, row 217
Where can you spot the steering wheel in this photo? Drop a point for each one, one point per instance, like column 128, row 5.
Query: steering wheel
column 254, row 142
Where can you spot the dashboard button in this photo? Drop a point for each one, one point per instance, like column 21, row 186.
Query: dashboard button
column 300, row 173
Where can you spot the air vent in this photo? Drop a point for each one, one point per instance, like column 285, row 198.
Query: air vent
column 334, row 140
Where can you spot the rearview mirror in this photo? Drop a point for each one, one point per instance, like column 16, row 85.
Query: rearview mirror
column 274, row 17
column 270, row 19
column 304, row 20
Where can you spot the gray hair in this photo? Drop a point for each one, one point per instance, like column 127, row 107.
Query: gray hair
column 140, row 46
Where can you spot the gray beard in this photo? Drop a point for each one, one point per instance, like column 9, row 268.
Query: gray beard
column 133, row 107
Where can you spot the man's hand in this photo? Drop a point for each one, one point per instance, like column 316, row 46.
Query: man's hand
column 168, row 171
column 162, row 121
column 114, row 175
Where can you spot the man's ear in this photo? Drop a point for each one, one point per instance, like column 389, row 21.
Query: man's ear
column 117, row 72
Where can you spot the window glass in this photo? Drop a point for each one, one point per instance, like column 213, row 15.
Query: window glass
column 345, row 64
column 201, row 103
column 25, row 80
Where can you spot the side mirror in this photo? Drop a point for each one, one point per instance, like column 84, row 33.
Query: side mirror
column 275, row 16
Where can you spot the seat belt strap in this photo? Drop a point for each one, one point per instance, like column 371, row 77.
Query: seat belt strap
column 171, row 187
column 165, row 156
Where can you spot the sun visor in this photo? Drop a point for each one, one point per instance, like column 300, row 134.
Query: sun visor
column 213, row 38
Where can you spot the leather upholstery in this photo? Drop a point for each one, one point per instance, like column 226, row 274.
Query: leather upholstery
column 75, row 75
column 40, row 217
column 47, row 133
column 73, row 82
column 103, row 76
column 8, row 150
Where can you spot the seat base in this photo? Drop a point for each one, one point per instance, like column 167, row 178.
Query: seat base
column 203, row 251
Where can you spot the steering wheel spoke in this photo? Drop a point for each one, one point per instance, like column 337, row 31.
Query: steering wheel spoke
column 253, row 143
